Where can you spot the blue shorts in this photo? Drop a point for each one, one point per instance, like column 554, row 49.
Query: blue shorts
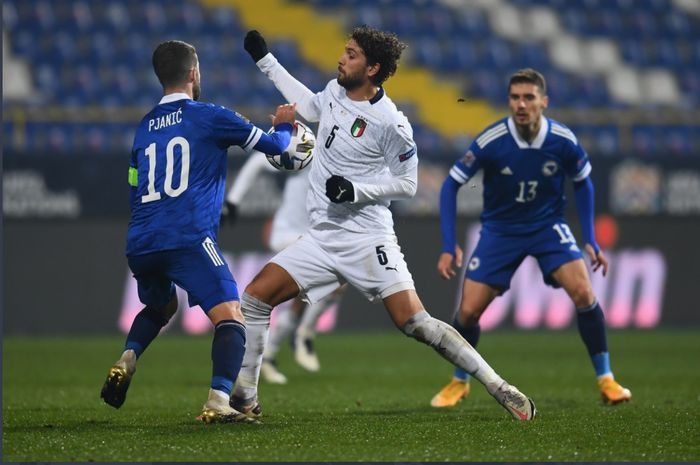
column 498, row 255
column 200, row 270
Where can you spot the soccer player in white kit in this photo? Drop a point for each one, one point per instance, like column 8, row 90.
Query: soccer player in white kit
column 288, row 224
column 364, row 158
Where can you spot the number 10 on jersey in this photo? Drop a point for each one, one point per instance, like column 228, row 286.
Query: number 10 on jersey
column 153, row 194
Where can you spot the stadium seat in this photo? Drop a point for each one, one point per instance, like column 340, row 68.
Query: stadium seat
column 614, row 53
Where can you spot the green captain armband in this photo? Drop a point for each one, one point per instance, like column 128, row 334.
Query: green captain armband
column 133, row 176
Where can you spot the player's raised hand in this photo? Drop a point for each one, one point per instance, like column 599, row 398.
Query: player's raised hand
column 285, row 113
column 598, row 259
column 254, row 44
column 446, row 261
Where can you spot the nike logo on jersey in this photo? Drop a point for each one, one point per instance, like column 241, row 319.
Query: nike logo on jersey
column 507, row 171
column 341, row 191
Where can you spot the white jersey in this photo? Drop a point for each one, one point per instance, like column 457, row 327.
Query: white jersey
column 370, row 143
column 291, row 217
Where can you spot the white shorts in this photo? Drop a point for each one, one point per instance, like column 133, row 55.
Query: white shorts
column 326, row 257
column 279, row 238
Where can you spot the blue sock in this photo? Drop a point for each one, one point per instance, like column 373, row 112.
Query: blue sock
column 601, row 363
column 227, row 351
column 144, row 329
column 591, row 327
column 471, row 334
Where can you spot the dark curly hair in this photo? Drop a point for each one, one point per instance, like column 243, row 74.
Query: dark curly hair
column 379, row 47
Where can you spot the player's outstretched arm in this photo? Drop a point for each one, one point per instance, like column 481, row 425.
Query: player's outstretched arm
column 585, row 195
column 283, row 121
column 292, row 90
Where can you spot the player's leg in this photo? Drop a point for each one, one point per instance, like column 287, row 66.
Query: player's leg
column 202, row 271
column 573, row 277
column 228, row 346
column 487, row 274
column 384, row 274
column 408, row 314
column 270, row 287
column 304, row 351
column 303, row 267
column 476, row 297
column 157, row 292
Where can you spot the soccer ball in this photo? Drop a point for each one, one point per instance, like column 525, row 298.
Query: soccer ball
column 299, row 152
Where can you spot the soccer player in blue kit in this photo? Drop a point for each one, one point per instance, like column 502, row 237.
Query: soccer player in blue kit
column 177, row 173
column 526, row 159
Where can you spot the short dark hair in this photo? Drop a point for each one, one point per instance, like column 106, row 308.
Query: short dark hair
column 530, row 76
column 172, row 61
column 379, row 47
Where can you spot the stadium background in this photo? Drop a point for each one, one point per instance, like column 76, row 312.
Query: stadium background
column 623, row 74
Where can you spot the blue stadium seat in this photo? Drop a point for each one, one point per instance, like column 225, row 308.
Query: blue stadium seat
column 98, row 52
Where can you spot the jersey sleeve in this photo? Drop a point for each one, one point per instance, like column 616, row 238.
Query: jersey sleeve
column 401, row 157
column 576, row 162
column 467, row 166
column 229, row 128
column 400, row 151
column 308, row 103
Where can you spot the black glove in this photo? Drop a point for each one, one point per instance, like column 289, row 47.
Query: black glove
column 339, row 189
column 255, row 45
column 229, row 214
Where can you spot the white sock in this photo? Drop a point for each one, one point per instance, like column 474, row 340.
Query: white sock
column 257, row 317
column 453, row 347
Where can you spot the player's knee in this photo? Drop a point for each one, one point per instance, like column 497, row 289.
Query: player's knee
column 469, row 315
column 423, row 328
column 581, row 294
column 159, row 316
column 254, row 309
column 169, row 309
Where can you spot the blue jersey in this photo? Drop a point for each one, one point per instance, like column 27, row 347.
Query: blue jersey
column 523, row 182
column 178, row 171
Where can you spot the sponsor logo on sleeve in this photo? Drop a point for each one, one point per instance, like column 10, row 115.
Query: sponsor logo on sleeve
column 468, row 159
column 405, row 156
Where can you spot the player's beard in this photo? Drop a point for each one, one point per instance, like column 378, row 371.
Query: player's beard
column 196, row 90
column 351, row 81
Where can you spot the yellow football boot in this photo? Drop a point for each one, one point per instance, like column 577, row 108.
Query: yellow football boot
column 452, row 394
column 611, row 391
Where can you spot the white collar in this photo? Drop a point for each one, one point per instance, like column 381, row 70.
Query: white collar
column 174, row 97
column 539, row 140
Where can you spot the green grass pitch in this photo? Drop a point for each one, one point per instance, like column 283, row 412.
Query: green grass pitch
column 369, row 402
